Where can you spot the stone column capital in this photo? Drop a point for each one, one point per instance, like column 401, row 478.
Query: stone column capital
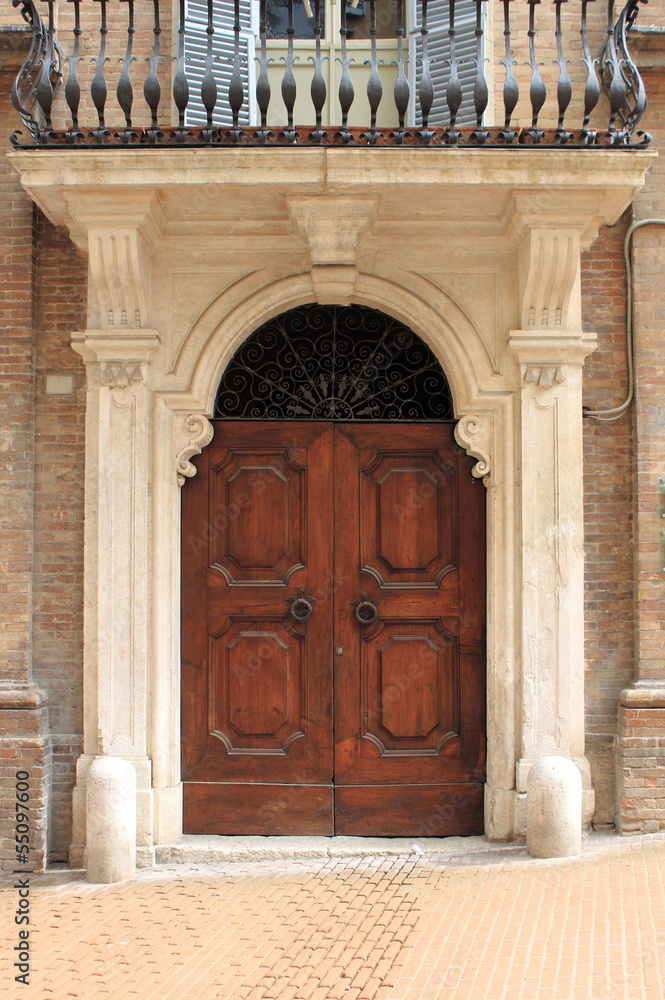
column 544, row 355
column 121, row 357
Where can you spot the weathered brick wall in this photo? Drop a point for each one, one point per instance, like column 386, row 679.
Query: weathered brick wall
column 24, row 742
column 641, row 732
column 61, row 287
column 608, row 512
column 42, row 293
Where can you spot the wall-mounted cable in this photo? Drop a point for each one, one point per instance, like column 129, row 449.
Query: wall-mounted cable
column 618, row 411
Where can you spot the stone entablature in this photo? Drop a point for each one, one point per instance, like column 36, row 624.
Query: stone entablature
column 477, row 253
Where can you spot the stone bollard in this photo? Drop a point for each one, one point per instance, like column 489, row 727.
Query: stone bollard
column 554, row 808
column 111, row 820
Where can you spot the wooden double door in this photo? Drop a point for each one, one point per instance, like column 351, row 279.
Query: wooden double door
column 333, row 676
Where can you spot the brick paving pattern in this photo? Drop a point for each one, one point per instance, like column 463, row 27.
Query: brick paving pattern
column 489, row 925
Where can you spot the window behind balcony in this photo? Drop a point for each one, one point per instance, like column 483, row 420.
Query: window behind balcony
column 358, row 33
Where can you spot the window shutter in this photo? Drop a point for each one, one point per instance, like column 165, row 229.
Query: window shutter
column 196, row 47
column 438, row 49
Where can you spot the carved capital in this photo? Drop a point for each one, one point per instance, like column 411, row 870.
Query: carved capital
column 473, row 433
column 549, row 280
column 331, row 225
column 545, row 358
column 197, row 432
column 119, row 375
column 122, row 359
column 544, row 376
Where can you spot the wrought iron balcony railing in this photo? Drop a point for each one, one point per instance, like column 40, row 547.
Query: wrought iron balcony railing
column 236, row 72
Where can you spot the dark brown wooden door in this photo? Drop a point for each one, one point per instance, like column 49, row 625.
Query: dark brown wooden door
column 384, row 514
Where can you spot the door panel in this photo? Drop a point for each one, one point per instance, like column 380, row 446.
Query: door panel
column 257, row 686
column 409, row 687
column 361, row 518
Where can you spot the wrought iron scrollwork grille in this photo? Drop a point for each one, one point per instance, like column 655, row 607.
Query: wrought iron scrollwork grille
column 334, row 363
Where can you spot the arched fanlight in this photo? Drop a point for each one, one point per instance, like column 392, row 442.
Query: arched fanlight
column 326, row 362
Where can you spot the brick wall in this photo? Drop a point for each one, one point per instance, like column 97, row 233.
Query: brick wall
column 42, row 297
column 641, row 731
column 608, row 512
column 61, row 289
column 24, row 740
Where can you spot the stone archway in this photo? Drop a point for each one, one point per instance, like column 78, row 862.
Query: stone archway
column 333, row 473
column 175, row 406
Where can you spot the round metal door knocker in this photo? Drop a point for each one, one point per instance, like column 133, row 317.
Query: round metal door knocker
column 301, row 606
column 366, row 611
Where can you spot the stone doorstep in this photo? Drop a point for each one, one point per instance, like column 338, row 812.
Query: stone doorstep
column 195, row 848
column 200, row 849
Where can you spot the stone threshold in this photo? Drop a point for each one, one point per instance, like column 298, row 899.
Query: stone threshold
column 200, row 849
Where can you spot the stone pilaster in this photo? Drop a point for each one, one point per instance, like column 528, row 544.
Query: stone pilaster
column 116, row 617
column 551, row 349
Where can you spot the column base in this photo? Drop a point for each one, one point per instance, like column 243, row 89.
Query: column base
column 499, row 813
column 640, row 760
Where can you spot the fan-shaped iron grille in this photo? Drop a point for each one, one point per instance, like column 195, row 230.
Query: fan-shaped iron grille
column 334, row 363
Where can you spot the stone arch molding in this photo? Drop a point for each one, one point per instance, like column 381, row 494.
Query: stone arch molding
column 232, row 317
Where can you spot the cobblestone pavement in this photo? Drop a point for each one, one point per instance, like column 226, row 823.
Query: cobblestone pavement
column 492, row 924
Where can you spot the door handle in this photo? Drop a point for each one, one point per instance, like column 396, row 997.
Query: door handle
column 301, row 606
column 366, row 610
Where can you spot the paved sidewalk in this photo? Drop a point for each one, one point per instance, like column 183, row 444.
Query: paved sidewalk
column 492, row 924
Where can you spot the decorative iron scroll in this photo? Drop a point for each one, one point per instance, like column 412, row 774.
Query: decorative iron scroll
column 334, row 363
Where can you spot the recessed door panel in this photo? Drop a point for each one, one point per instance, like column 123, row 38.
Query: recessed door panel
column 407, row 500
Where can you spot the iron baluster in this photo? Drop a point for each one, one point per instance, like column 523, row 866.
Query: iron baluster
column 425, row 86
column 262, row 82
column 288, row 80
column 626, row 88
column 480, row 135
column 454, row 89
column 537, row 90
column 208, row 83
column 401, row 89
column 45, row 84
column 24, row 87
column 73, row 87
column 98, row 88
column 124, row 91
column 374, row 85
column 564, row 89
column 346, row 92
column 318, row 85
column 592, row 88
column 511, row 91
column 617, row 87
column 236, row 90
column 152, row 90
column 180, row 84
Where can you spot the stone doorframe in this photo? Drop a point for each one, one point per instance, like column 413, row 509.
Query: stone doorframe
column 148, row 413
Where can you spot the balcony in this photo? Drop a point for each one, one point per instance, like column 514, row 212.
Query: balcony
column 428, row 73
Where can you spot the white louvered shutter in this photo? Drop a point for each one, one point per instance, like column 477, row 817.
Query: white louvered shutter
column 196, row 47
column 438, row 48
